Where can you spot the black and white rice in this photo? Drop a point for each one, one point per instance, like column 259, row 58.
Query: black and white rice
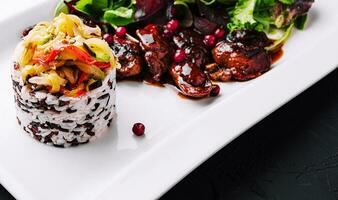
column 65, row 121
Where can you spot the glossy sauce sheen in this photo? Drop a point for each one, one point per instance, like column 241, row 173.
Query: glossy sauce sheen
column 277, row 56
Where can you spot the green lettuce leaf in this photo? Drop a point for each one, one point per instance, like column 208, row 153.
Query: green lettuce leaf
column 61, row 8
column 120, row 16
column 242, row 16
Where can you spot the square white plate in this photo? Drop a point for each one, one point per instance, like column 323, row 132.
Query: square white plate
column 180, row 133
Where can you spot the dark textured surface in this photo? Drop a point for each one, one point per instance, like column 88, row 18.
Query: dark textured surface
column 290, row 155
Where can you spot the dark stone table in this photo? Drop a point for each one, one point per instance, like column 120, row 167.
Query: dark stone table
column 290, row 155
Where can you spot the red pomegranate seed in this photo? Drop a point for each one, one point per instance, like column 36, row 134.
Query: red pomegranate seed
column 215, row 91
column 173, row 25
column 219, row 33
column 121, row 31
column 179, row 55
column 209, row 40
column 138, row 129
column 108, row 38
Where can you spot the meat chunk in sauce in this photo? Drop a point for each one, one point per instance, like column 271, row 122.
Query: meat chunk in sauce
column 158, row 52
column 128, row 53
column 244, row 54
column 218, row 73
column 190, row 79
column 192, row 43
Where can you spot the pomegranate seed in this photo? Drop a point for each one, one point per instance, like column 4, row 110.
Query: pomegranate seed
column 219, row 33
column 179, row 55
column 209, row 40
column 173, row 25
column 121, row 31
column 138, row 129
column 108, row 38
column 215, row 91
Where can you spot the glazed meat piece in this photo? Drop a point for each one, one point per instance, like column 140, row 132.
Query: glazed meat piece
column 191, row 80
column 244, row 54
column 217, row 73
column 158, row 52
column 128, row 53
column 192, row 43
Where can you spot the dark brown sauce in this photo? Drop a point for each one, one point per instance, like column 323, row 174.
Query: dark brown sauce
column 182, row 96
column 277, row 55
column 152, row 82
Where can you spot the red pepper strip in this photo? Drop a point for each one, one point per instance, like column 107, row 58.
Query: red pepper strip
column 101, row 65
column 80, row 93
column 45, row 59
column 83, row 78
column 81, row 55
column 52, row 56
column 85, row 57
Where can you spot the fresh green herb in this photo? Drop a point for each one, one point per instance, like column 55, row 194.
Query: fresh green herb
column 262, row 13
column 257, row 14
column 278, row 43
column 287, row 2
column 60, row 8
column 92, row 7
column 242, row 16
column 120, row 16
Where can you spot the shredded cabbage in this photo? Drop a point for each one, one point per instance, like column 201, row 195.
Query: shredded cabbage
column 64, row 42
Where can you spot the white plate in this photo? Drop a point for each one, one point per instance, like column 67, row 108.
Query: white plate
column 181, row 133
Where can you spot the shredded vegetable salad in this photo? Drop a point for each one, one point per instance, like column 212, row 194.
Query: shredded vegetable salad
column 65, row 56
